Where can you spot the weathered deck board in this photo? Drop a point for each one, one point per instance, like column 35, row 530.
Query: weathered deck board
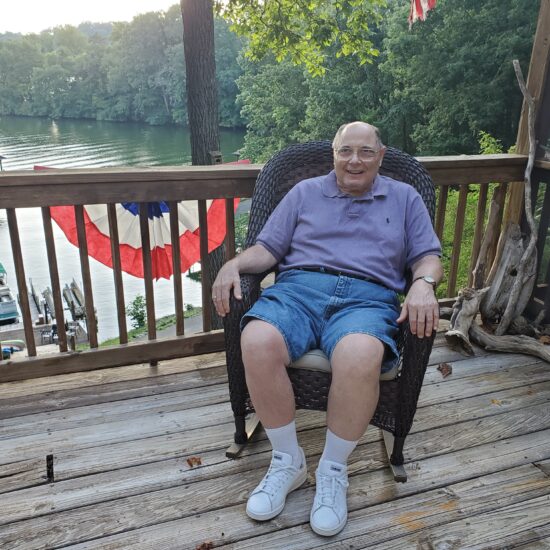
column 83, row 491
column 230, row 524
column 119, row 432
column 390, row 520
column 478, row 455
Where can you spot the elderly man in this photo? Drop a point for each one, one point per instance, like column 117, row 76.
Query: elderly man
column 342, row 244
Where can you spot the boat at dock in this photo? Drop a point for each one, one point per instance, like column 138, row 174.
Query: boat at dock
column 8, row 305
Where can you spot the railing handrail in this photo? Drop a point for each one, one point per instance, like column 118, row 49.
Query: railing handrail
column 23, row 188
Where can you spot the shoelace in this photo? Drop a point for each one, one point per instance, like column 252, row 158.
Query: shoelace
column 276, row 477
column 329, row 486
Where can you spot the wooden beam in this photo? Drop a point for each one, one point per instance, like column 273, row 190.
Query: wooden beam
column 100, row 358
column 538, row 68
column 19, row 189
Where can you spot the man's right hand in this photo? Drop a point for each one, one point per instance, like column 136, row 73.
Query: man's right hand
column 255, row 259
column 228, row 278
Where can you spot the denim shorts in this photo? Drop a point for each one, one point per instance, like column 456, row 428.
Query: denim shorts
column 316, row 310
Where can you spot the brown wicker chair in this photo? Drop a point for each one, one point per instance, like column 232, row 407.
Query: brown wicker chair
column 398, row 397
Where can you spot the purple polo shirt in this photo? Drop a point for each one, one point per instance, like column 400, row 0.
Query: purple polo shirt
column 378, row 234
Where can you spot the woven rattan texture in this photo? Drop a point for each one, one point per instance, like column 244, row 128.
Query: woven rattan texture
column 398, row 398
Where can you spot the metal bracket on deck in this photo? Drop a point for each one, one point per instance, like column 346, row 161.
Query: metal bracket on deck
column 398, row 470
column 251, row 425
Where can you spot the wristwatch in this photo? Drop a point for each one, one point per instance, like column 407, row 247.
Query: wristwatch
column 428, row 278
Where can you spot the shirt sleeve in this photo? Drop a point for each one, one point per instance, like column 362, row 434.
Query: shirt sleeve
column 419, row 232
column 276, row 235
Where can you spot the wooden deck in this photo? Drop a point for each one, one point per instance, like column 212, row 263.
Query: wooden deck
column 478, row 460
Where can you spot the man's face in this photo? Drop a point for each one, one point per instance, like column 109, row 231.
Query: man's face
column 357, row 158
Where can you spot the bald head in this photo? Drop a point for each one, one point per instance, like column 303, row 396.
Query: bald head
column 369, row 129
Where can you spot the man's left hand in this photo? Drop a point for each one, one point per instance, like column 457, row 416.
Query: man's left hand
column 421, row 308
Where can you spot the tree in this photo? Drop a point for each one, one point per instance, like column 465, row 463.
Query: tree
column 200, row 63
column 137, row 311
column 446, row 88
column 304, row 30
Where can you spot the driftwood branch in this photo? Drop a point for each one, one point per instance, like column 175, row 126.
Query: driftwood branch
column 530, row 250
column 463, row 314
column 507, row 343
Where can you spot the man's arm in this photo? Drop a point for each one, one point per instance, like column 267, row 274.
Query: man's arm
column 255, row 259
column 420, row 305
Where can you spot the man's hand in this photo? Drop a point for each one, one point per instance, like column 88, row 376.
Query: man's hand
column 421, row 308
column 228, row 278
column 255, row 259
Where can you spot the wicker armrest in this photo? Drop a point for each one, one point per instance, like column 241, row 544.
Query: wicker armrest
column 250, row 287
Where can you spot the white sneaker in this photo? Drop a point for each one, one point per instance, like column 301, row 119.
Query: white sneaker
column 268, row 498
column 329, row 513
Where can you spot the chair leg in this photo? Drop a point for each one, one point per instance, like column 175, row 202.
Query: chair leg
column 394, row 450
column 244, row 429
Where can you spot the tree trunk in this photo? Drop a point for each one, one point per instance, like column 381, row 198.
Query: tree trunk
column 202, row 101
column 200, row 63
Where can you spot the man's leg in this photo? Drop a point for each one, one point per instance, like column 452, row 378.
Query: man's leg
column 353, row 396
column 265, row 359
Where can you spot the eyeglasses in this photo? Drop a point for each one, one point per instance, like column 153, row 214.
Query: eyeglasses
column 363, row 153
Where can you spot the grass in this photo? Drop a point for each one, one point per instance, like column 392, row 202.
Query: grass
column 161, row 324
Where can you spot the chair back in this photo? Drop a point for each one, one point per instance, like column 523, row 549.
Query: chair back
column 315, row 158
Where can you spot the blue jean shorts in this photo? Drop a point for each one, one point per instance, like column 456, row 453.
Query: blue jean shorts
column 316, row 310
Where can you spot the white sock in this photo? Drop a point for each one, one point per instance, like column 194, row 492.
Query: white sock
column 285, row 440
column 337, row 449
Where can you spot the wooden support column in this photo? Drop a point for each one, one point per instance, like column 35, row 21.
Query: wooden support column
column 538, row 68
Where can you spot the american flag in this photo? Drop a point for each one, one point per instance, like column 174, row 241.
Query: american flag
column 419, row 9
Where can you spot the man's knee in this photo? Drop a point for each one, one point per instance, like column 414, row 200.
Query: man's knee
column 262, row 343
column 358, row 355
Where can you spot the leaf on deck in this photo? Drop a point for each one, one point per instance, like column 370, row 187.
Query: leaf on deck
column 194, row 461
column 445, row 369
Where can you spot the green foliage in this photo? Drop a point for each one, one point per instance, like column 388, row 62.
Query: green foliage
column 303, row 31
column 121, row 72
column 272, row 95
column 430, row 90
column 488, row 145
column 454, row 71
column 241, row 229
column 161, row 324
column 137, row 311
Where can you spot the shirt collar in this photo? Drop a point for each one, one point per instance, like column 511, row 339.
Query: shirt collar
column 331, row 190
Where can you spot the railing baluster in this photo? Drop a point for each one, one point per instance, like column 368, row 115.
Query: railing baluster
column 176, row 267
column 457, row 240
column 544, row 222
column 147, row 269
column 229, row 229
column 54, row 278
column 440, row 216
column 478, row 231
column 91, row 323
column 205, row 268
column 21, row 281
column 500, row 198
column 117, row 274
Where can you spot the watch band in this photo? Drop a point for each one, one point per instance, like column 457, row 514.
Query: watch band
column 428, row 279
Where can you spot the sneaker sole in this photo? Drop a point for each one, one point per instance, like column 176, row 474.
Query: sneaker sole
column 328, row 532
column 270, row 515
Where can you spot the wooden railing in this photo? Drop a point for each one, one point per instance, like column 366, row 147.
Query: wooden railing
column 540, row 198
column 112, row 186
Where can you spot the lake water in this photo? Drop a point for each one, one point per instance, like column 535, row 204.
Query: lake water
column 25, row 142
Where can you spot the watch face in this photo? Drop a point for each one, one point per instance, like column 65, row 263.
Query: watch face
column 429, row 279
